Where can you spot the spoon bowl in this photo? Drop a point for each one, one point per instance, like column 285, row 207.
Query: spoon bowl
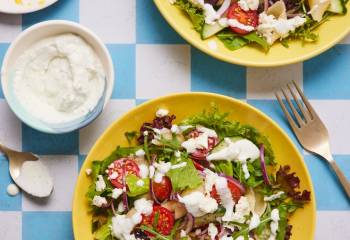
column 36, row 183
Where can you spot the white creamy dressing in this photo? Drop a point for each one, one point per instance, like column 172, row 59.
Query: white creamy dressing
column 247, row 5
column 100, row 184
column 212, row 45
column 198, row 204
column 35, row 179
column 254, row 221
column 122, row 225
column 200, row 142
column 238, row 151
column 275, row 217
column 273, row 29
column 212, row 231
column 273, row 196
column 140, row 153
column 12, row 189
column 59, row 79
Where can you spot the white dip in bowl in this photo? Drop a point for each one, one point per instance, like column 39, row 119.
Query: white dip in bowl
column 59, row 79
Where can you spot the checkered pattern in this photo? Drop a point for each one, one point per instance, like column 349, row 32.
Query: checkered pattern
column 146, row 53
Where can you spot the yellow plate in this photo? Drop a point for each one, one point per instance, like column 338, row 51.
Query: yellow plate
column 330, row 33
column 184, row 105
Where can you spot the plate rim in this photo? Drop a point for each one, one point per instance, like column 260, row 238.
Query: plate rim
column 193, row 94
column 216, row 55
column 30, row 10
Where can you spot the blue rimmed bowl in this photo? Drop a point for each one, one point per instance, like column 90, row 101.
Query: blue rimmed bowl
column 34, row 34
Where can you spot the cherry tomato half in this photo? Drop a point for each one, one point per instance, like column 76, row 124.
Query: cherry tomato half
column 165, row 221
column 123, row 166
column 163, row 189
column 249, row 18
column 201, row 154
column 235, row 192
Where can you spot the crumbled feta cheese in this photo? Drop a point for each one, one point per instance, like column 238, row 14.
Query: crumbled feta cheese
column 183, row 234
column 175, row 129
column 144, row 206
column 99, row 201
column 100, row 183
column 212, row 231
column 163, row 167
column 247, row 5
column 198, row 205
column 273, row 196
column 162, row 112
column 116, row 193
column 121, row 207
column 177, row 154
column 88, row 171
column 273, row 29
column 208, row 131
column 254, row 221
column 225, row 237
column 151, row 171
column 113, row 176
column 145, row 133
column 143, row 171
column 275, row 217
column 140, row 153
column 245, row 170
column 122, row 225
column 212, row 45
column 180, row 165
column 199, row 142
column 140, row 183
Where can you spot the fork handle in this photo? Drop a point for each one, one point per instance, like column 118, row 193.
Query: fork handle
column 343, row 180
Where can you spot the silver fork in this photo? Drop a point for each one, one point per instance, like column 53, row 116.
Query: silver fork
column 309, row 129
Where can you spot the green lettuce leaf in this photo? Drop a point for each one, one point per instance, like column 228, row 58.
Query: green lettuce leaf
column 135, row 190
column 104, row 232
column 185, row 177
column 235, row 41
column 196, row 14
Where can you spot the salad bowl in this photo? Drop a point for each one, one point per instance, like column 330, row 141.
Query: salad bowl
column 330, row 32
column 185, row 105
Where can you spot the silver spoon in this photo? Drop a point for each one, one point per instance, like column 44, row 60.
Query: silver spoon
column 28, row 173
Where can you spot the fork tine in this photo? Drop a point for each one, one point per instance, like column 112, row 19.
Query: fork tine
column 305, row 101
column 296, row 114
column 306, row 114
column 286, row 113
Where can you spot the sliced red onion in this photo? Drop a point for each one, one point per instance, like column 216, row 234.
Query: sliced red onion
column 113, row 209
column 234, row 181
column 190, row 223
column 152, row 192
column 263, row 165
column 225, row 5
column 222, row 232
column 266, row 5
column 204, row 232
column 125, row 195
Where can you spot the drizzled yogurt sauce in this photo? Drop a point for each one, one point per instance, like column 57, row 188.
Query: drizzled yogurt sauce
column 59, row 79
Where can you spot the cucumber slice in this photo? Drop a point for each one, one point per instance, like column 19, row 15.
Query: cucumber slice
column 210, row 30
column 223, row 144
column 337, row 6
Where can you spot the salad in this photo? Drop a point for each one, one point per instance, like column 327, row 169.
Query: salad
column 238, row 23
column 204, row 178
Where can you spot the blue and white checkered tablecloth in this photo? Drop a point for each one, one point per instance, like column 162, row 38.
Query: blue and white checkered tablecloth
column 151, row 60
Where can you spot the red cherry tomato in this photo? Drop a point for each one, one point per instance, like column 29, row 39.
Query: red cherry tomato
column 201, row 154
column 235, row 192
column 123, row 166
column 163, row 189
column 249, row 18
column 165, row 222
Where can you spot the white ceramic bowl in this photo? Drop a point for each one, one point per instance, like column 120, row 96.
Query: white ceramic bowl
column 36, row 33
